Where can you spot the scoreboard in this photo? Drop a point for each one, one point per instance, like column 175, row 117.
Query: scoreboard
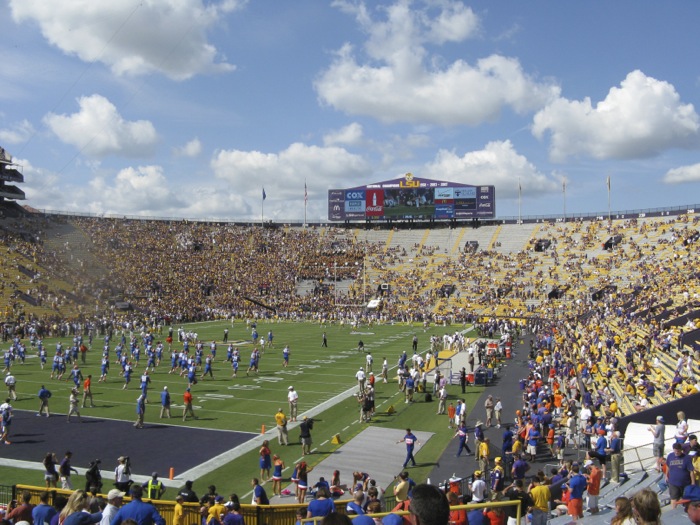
column 410, row 197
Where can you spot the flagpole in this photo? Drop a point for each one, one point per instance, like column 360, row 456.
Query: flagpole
column 306, row 199
column 262, row 210
column 609, row 202
column 520, row 198
column 563, row 189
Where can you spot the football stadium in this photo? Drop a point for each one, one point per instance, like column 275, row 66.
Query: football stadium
column 349, row 262
column 348, row 361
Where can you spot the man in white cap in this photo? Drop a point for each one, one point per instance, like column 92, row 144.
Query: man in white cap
column 140, row 411
column 114, row 501
column 657, row 447
column 165, row 403
column 122, row 474
column 11, row 384
column 361, row 377
column 293, row 399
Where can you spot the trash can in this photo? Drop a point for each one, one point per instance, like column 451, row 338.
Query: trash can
column 480, row 377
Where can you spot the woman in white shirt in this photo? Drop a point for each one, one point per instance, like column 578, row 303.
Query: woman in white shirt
column 681, row 428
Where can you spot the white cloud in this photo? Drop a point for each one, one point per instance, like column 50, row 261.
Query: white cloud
column 283, row 174
column 350, row 135
column 683, row 174
column 401, row 82
column 139, row 191
column 99, row 130
column 18, row 133
column 641, row 118
column 132, row 38
column 498, row 164
column 192, row 149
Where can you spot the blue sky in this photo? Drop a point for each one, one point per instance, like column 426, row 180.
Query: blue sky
column 184, row 108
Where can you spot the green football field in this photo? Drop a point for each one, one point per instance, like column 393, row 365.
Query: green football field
column 248, row 403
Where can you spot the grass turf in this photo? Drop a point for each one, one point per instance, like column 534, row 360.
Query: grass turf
column 247, row 403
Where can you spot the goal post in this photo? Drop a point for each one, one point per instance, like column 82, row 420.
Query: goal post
column 444, row 365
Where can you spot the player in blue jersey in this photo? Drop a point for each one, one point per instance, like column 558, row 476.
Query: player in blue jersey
column 207, row 367
column 192, row 375
column 76, row 375
column 235, row 358
column 56, row 365
column 127, row 374
column 104, row 368
column 7, row 358
column 145, row 382
column 159, row 353
column 285, row 356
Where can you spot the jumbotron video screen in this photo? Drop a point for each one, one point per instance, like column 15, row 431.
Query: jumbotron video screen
column 410, row 197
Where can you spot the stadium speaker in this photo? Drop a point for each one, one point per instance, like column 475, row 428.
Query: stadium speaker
column 336, row 440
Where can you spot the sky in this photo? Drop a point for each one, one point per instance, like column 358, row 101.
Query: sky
column 189, row 108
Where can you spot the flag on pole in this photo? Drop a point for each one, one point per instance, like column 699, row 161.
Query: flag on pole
column 563, row 186
column 608, row 182
column 264, row 194
column 520, row 187
column 306, row 194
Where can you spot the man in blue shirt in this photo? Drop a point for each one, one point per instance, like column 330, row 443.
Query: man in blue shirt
column 599, row 453
column 44, row 395
column 462, row 434
column 577, row 486
column 43, row 512
column 165, row 403
column 410, row 441
column 137, row 510
column 140, row 411
column 520, row 467
column 615, row 451
column 259, row 494
column 680, row 473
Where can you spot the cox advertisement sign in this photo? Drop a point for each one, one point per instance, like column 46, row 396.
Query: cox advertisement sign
column 355, row 195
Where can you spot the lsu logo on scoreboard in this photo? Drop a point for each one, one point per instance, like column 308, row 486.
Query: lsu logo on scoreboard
column 410, row 182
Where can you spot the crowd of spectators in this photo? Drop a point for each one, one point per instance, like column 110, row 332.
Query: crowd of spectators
column 150, row 272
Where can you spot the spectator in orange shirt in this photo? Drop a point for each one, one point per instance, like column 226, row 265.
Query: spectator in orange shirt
column 187, row 398
column 451, row 412
column 87, row 391
column 496, row 516
column 457, row 516
column 550, row 440
column 594, row 477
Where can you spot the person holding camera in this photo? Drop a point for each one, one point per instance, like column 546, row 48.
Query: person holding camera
column 305, row 435
column 93, row 478
column 122, row 474
column 22, row 512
